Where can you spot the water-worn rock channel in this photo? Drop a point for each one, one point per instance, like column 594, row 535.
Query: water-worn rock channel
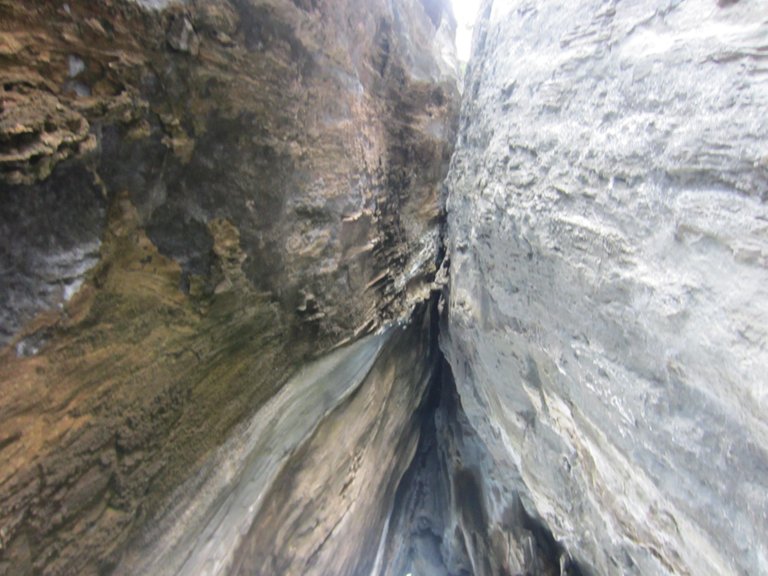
column 287, row 289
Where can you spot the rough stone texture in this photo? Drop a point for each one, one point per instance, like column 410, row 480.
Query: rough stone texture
column 321, row 131
column 200, row 196
column 197, row 198
column 608, row 304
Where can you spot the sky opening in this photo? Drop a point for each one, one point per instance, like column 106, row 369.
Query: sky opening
column 466, row 13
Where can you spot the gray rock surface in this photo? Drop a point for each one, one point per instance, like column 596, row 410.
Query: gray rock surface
column 50, row 235
column 608, row 305
column 200, row 197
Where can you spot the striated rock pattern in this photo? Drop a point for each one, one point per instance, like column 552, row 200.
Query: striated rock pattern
column 222, row 220
column 608, row 303
column 320, row 132
column 198, row 197
column 330, row 505
column 307, row 485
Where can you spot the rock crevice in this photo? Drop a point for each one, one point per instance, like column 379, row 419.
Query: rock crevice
column 268, row 306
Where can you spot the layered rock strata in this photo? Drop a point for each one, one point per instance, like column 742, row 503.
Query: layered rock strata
column 198, row 197
column 608, row 306
column 307, row 484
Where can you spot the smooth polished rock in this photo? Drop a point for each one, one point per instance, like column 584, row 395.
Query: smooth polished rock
column 608, row 301
column 307, row 484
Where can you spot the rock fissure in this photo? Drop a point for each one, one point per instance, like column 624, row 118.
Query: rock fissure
column 278, row 298
column 439, row 522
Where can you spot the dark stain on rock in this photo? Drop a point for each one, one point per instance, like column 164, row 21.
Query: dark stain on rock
column 49, row 237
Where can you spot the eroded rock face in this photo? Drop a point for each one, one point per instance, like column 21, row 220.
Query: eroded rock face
column 201, row 196
column 608, row 308
column 322, row 133
column 328, row 509
column 197, row 198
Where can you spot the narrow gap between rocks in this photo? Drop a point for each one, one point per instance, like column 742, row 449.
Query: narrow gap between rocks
column 439, row 523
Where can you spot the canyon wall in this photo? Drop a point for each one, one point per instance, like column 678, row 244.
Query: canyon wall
column 608, row 300
column 198, row 198
column 221, row 223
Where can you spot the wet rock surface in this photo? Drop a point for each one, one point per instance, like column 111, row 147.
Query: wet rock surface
column 307, row 484
column 328, row 509
column 49, row 238
column 222, row 220
column 608, row 304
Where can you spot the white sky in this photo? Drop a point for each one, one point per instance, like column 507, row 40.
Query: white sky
column 465, row 12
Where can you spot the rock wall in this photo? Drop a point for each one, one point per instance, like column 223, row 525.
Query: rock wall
column 198, row 197
column 608, row 303
column 328, row 509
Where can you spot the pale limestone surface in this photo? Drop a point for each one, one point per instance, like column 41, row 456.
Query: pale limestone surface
column 608, row 308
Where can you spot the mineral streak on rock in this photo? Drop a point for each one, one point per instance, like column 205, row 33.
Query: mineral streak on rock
column 306, row 486
column 221, row 220
column 198, row 197
column 608, row 308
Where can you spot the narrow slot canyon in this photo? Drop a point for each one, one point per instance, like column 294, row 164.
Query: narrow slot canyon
column 308, row 287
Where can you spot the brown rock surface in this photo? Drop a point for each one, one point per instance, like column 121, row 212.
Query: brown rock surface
column 195, row 201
